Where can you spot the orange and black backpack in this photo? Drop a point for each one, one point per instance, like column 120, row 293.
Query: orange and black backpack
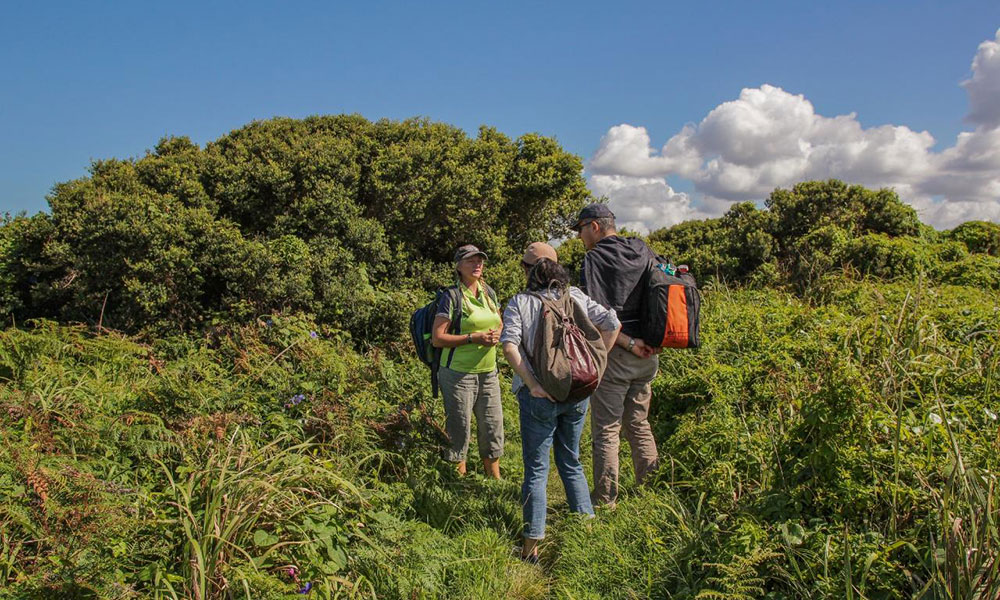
column 670, row 307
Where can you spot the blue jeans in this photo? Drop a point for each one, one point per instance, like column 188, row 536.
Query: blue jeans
column 543, row 422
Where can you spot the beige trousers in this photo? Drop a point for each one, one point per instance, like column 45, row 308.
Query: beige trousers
column 622, row 399
column 466, row 394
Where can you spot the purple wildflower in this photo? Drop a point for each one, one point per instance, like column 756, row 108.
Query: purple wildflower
column 313, row 334
column 306, row 588
column 296, row 399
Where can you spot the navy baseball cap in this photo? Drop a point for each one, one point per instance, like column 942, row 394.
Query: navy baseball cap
column 592, row 212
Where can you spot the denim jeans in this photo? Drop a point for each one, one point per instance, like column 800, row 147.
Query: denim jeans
column 542, row 423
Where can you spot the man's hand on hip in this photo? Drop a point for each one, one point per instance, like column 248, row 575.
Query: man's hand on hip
column 642, row 350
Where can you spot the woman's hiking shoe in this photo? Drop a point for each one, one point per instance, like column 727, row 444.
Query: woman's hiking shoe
column 531, row 559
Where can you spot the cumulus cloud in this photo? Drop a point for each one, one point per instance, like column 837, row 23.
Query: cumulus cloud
column 946, row 214
column 643, row 204
column 625, row 150
column 770, row 138
column 984, row 85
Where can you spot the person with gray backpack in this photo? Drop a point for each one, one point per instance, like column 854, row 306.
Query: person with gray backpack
column 556, row 339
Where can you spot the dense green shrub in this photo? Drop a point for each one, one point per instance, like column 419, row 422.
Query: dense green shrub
column 879, row 255
column 814, row 204
column 980, row 237
column 817, row 253
column 978, row 270
column 816, row 231
column 944, row 252
column 337, row 217
column 698, row 244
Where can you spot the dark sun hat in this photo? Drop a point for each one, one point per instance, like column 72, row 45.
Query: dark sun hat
column 468, row 250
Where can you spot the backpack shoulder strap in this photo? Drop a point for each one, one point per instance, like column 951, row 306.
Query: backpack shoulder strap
column 456, row 308
column 456, row 317
column 557, row 305
column 493, row 295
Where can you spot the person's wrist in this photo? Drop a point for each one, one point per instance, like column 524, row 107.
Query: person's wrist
column 631, row 343
column 468, row 338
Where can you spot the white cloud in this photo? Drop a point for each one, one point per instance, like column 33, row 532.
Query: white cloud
column 765, row 125
column 984, row 85
column 643, row 203
column 949, row 214
column 625, row 150
column 770, row 138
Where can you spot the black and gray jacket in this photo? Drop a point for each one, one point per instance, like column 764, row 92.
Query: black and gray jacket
column 614, row 273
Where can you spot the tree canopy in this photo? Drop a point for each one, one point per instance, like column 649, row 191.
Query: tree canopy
column 818, row 229
column 335, row 216
column 353, row 222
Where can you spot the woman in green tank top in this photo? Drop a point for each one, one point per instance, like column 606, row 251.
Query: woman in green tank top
column 468, row 370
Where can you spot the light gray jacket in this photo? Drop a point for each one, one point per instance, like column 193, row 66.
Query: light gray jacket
column 520, row 321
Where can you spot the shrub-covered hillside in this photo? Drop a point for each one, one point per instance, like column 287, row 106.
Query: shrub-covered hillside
column 804, row 234
column 206, row 390
column 807, row 450
column 337, row 217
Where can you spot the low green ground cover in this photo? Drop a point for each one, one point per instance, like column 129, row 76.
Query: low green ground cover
column 844, row 448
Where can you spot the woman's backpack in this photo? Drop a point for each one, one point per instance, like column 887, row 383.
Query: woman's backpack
column 567, row 355
column 421, row 322
column 670, row 307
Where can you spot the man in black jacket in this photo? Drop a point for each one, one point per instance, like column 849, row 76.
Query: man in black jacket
column 614, row 274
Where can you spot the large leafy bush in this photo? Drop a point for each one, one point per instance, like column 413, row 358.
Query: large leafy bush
column 338, row 217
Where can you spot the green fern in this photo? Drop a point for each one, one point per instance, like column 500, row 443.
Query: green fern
column 738, row 580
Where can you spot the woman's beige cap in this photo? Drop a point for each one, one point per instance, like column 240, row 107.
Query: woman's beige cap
column 537, row 250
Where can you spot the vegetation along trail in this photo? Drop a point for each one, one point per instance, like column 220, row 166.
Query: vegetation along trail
column 204, row 392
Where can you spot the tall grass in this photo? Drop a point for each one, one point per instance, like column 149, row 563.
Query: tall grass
column 964, row 552
column 237, row 504
column 840, row 448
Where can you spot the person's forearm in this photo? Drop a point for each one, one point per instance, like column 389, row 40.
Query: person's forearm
column 513, row 356
column 635, row 346
column 447, row 340
column 609, row 337
column 623, row 339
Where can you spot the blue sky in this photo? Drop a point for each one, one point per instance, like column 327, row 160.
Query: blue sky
column 83, row 81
